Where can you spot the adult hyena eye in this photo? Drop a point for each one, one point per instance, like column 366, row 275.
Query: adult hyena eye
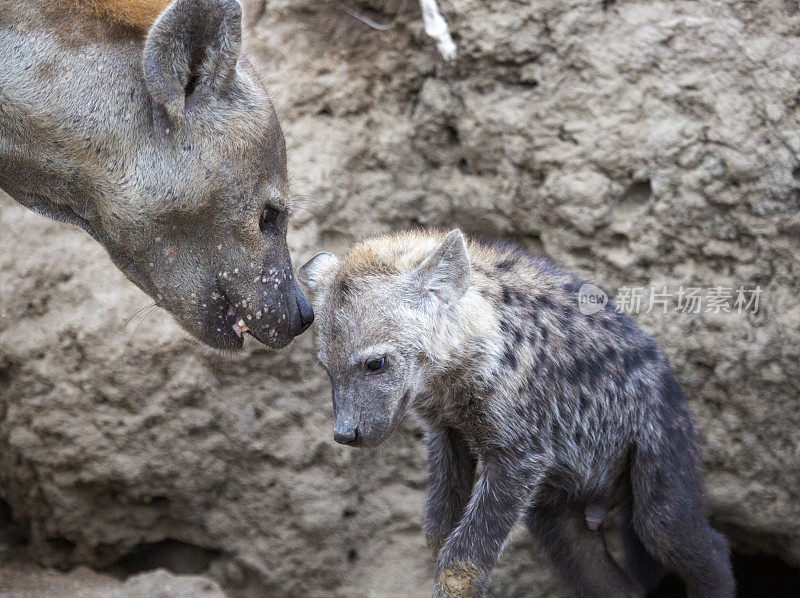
column 375, row 365
column 268, row 217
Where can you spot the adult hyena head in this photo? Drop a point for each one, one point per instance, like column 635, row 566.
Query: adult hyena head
column 165, row 147
column 389, row 314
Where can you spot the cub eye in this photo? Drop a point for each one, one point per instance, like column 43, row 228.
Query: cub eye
column 268, row 216
column 375, row 365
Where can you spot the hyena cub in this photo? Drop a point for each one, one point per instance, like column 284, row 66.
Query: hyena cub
column 571, row 415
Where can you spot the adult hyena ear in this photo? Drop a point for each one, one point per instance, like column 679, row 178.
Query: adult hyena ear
column 192, row 49
column 446, row 271
column 318, row 271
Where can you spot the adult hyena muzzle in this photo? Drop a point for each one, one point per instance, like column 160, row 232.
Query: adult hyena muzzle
column 266, row 303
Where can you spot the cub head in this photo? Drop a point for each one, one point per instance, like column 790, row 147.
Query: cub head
column 380, row 312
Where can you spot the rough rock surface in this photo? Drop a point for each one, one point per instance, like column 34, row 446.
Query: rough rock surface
column 25, row 580
column 639, row 143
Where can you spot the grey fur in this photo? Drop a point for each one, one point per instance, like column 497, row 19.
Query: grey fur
column 571, row 415
column 166, row 150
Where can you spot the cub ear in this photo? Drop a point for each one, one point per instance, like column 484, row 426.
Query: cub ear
column 446, row 272
column 192, row 47
column 318, row 271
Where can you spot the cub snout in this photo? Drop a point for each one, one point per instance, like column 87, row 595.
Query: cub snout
column 345, row 433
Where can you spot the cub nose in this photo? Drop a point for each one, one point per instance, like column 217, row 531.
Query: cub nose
column 306, row 312
column 345, row 434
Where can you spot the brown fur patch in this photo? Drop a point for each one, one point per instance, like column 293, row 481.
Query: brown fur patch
column 388, row 254
column 458, row 580
column 138, row 14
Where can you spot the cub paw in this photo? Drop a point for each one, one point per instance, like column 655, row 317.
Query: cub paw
column 458, row 580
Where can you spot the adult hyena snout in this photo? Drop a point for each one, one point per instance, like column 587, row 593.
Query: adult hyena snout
column 305, row 313
column 297, row 312
column 294, row 314
column 287, row 314
column 266, row 302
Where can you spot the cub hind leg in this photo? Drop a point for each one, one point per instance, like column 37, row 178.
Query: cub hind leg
column 640, row 564
column 668, row 519
column 577, row 552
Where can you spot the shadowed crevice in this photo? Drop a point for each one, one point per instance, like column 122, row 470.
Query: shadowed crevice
column 757, row 576
column 181, row 558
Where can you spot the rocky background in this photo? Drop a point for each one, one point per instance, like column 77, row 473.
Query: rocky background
column 640, row 143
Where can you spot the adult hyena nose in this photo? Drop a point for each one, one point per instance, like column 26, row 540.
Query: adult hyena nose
column 345, row 432
column 300, row 311
column 306, row 312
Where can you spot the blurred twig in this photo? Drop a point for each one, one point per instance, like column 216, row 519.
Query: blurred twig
column 369, row 22
column 435, row 25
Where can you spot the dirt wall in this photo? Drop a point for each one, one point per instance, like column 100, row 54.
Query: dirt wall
column 643, row 144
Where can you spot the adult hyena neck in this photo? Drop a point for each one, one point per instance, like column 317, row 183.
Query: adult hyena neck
column 71, row 90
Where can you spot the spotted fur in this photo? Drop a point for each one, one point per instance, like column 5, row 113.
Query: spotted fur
column 571, row 415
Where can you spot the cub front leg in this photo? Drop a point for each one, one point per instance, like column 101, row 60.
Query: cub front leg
column 451, row 472
column 470, row 553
